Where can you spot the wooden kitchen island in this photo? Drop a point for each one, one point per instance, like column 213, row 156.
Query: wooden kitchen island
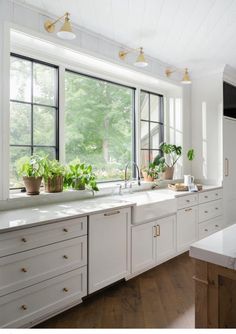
column 215, row 280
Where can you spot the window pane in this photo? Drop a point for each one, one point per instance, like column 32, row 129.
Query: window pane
column 144, row 158
column 15, row 154
column 49, row 151
column 98, row 124
column 144, row 134
column 44, row 124
column 155, row 135
column 20, row 123
column 44, row 84
column 144, row 103
column 20, row 83
column 155, row 108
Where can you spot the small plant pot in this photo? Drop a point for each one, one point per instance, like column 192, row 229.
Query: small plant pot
column 32, row 184
column 78, row 185
column 168, row 174
column 54, row 184
column 147, row 178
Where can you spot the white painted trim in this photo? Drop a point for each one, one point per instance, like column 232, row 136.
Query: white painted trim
column 61, row 113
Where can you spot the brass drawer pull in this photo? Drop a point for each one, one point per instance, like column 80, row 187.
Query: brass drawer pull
column 24, row 307
column 111, row 213
column 65, row 257
column 158, row 229
column 65, row 289
column 24, row 270
column 23, row 240
column 65, row 230
column 189, row 209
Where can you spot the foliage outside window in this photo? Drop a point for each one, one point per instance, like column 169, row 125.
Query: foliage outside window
column 33, row 111
column 151, row 126
column 99, row 124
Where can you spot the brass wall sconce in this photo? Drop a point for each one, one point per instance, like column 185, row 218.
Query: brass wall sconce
column 140, row 61
column 65, row 32
column 186, row 78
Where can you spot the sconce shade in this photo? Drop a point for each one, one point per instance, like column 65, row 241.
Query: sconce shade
column 186, row 79
column 66, row 31
column 141, row 61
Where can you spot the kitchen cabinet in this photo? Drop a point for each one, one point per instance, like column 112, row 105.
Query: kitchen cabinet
column 109, row 248
column 187, row 220
column 153, row 243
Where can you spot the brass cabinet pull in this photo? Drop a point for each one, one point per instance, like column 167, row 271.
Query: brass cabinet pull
column 158, row 229
column 154, row 229
column 65, row 230
column 111, row 213
column 24, row 270
column 24, row 307
column 65, row 289
column 226, row 167
column 23, row 240
column 189, row 209
column 65, row 256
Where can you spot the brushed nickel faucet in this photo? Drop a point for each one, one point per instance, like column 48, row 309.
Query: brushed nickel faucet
column 138, row 172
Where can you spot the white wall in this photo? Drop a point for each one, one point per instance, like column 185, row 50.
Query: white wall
column 206, row 129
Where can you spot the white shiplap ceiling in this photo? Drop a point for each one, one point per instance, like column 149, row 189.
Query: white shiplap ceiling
column 192, row 33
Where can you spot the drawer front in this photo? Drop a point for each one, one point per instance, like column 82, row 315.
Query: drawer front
column 211, row 195
column 27, row 268
column 187, row 201
column 210, row 210
column 33, row 237
column 19, row 308
column 209, row 227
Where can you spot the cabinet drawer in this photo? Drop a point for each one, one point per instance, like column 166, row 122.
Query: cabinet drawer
column 210, row 210
column 23, row 269
column 187, row 201
column 186, row 227
column 211, row 195
column 20, row 308
column 209, row 227
column 33, row 237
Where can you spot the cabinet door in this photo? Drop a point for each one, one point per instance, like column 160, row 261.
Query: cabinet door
column 143, row 247
column 108, row 247
column 229, row 183
column 166, row 238
column 187, row 220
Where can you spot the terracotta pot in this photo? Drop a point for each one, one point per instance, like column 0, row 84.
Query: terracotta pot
column 32, row 184
column 54, row 184
column 168, row 174
column 147, row 178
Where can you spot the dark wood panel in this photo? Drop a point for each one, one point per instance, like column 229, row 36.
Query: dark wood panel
column 162, row 297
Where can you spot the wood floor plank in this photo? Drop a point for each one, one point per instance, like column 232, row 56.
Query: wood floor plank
column 162, row 297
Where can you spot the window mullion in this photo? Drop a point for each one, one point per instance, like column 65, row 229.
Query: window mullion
column 32, row 107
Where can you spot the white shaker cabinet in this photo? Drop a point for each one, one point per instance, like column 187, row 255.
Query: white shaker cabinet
column 187, row 220
column 109, row 235
column 153, row 243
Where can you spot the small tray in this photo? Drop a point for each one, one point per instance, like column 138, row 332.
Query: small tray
column 182, row 187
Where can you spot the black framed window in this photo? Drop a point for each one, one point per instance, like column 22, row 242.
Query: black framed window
column 33, row 111
column 99, row 124
column 151, row 126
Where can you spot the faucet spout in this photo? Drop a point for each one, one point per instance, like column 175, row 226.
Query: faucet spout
column 138, row 173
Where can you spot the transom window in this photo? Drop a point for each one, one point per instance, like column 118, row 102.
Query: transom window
column 33, row 111
column 151, row 126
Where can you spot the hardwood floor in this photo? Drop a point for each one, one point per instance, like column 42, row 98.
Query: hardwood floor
column 163, row 297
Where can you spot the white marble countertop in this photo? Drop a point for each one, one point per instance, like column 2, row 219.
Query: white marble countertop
column 219, row 248
column 28, row 217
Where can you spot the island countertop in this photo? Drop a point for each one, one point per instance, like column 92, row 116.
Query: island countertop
column 219, row 248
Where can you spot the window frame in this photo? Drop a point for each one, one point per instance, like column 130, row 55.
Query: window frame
column 149, row 121
column 56, row 107
column 133, row 117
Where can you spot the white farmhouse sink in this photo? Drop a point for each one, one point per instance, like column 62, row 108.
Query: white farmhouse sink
column 151, row 205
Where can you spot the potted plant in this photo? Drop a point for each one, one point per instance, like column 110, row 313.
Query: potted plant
column 172, row 153
column 31, row 169
column 53, row 175
column 150, row 173
column 80, row 176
